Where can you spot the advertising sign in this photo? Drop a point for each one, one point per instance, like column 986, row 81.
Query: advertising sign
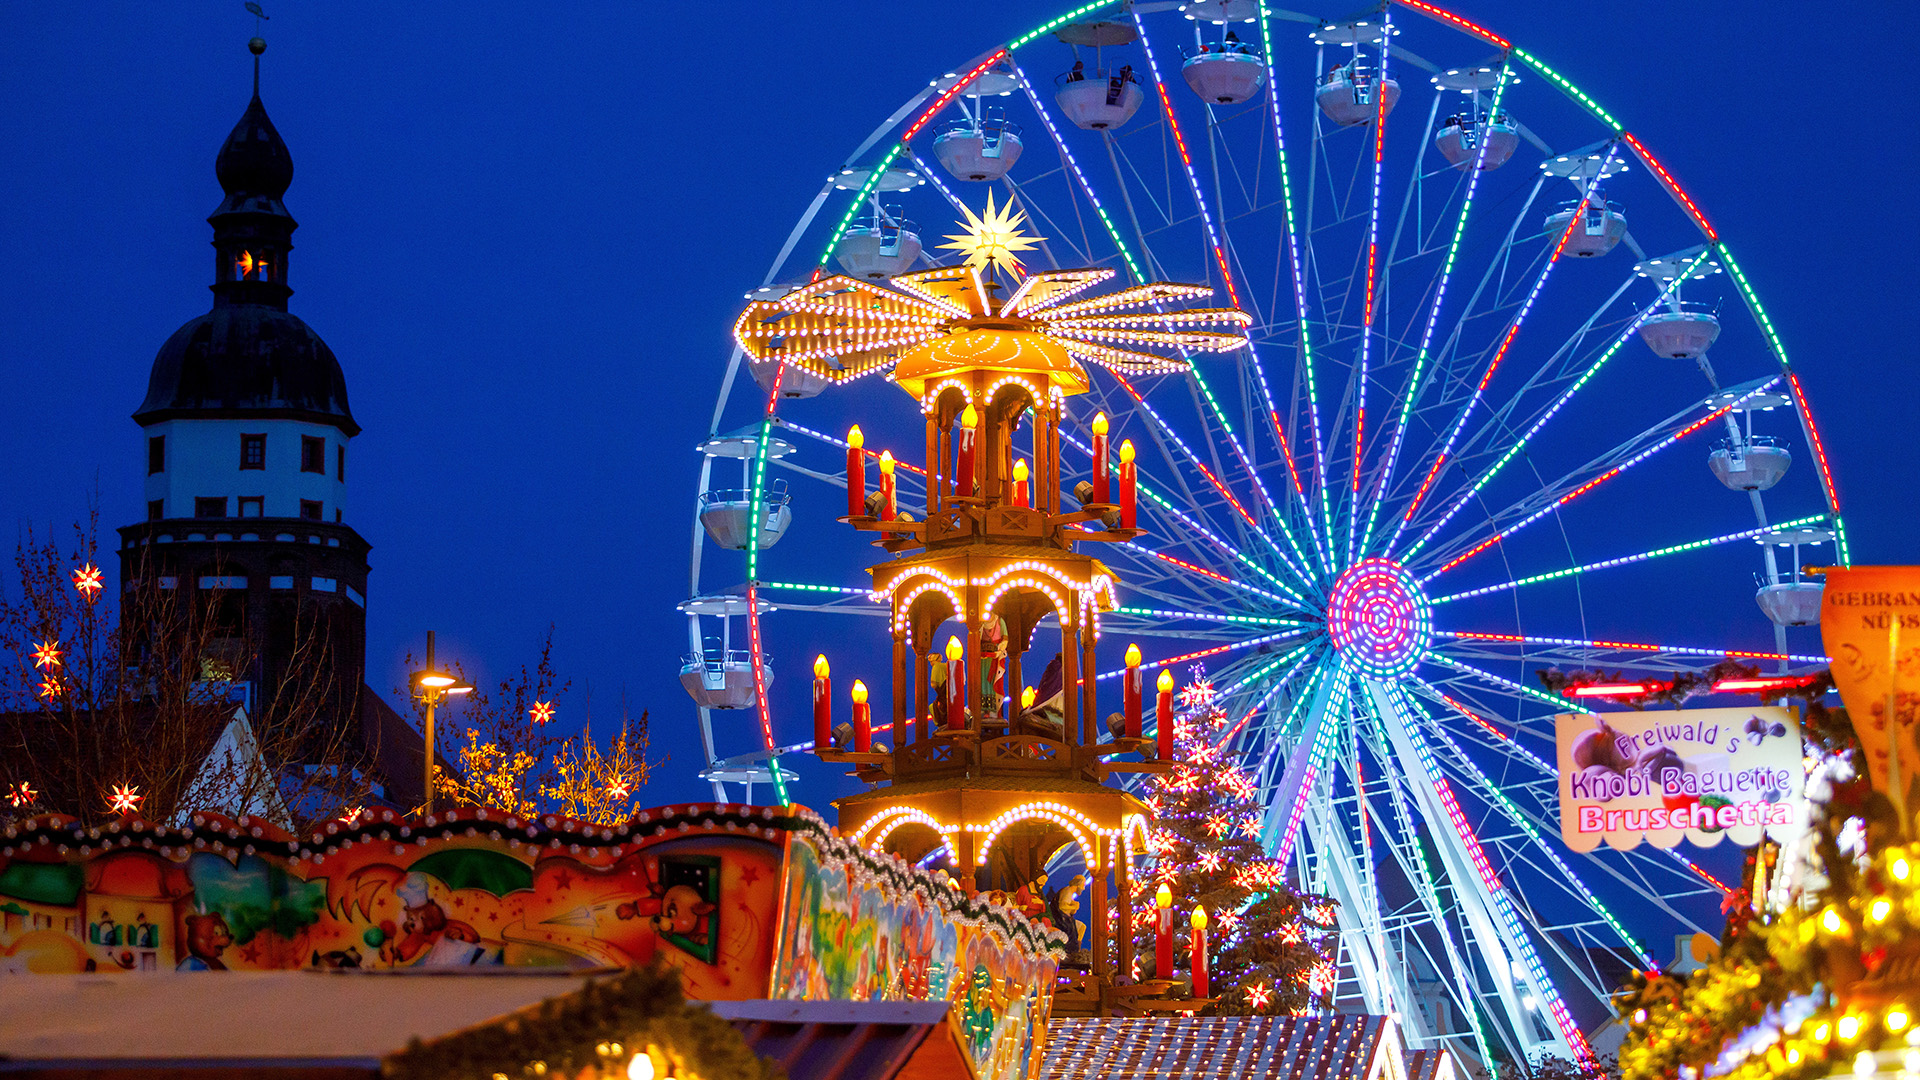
column 1868, row 614
column 1700, row 775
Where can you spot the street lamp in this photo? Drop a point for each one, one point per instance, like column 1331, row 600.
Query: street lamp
column 433, row 686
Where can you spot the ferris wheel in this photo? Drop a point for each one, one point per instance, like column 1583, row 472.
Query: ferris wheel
column 1509, row 405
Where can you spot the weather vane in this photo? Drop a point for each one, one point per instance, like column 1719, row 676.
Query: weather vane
column 257, row 15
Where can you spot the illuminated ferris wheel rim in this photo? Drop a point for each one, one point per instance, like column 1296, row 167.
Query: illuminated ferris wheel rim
column 1367, row 662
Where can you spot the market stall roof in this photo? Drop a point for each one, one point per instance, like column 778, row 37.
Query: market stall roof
column 851, row 1040
column 319, row 1023
column 1246, row 1047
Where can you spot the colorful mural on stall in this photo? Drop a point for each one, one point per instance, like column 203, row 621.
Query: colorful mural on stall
column 864, row 927
column 696, row 887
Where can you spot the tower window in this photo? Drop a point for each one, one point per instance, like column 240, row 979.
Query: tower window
column 253, row 451
column 156, row 509
column 248, row 268
column 310, row 509
column 252, row 505
column 204, row 507
column 340, row 463
column 313, row 454
column 156, row 454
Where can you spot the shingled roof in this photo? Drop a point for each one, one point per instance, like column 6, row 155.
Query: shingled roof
column 1217, row 1048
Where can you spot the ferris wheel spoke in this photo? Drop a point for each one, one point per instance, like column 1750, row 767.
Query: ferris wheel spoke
column 1608, row 564
column 1080, row 177
column 1596, row 473
column 1486, row 646
column 1519, row 445
column 1490, row 679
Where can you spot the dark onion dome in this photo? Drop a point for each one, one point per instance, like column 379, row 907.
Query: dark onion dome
column 247, row 360
column 249, row 356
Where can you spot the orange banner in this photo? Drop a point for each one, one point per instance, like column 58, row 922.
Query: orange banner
column 1870, row 625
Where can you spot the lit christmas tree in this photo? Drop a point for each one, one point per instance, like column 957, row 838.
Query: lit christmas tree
column 1269, row 947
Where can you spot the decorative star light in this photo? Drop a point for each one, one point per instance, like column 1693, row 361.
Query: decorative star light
column 1217, row 825
column 1197, row 694
column 542, row 712
column 21, row 794
column 352, row 815
column 617, row 788
column 125, row 800
column 841, row 328
column 51, row 687
column 992, row 238
column 46, row 655
column 1210, row 862
column 1259, row 996
column 87, row 580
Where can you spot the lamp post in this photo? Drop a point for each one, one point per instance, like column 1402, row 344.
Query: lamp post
column 433, row 686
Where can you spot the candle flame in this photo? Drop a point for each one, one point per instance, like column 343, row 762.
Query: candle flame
column 820, row 666
column 886, row 462
column 1026, row 697
column 1166, row 681
column 1133, row 656
column 1199, row 919
column 1163, row 898
column 955, row 650
column 855, row 437
column 1020, row 469
column 969, row 417
column 1099, row 423
column 1126, row 451
column 859, row 692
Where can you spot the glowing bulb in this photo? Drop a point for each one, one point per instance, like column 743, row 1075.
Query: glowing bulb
column 1133, row 656
column 886, row 462
column 1897, row 1019
column 856, row 439
column 954, row 650
column 1864, row 1063
column 641, row 1067
column 1165, row 682
column 1880, row 909
column 1199, row 918
column 1899, row 868
column 1163, row 899
column 1020, row 470
column 1639, row 1016
column 820, row 668
column 1830, row 921
column 1126, row 450
column 1099, row 423
column 1823, row 1032
column 859, row 692
column 1027, row 695
column 969, row 416
column 1849, row 1027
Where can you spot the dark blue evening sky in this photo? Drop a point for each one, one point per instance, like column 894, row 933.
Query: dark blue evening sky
column 525, row 231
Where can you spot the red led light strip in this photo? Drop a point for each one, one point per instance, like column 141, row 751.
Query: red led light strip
column 1426, row 485
column 1819, row 445
column 1672, row 185
column 1451, row 19
column 1475, row 717
column 897, row 463
column 1184, row 565
column 1286, row 447
column 950, row 93
column 1588, row 486
column 1634, row 689
column 1180, row 143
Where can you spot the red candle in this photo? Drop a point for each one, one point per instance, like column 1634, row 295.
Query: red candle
column 862, row 719
column 887, row 509
column 822, row 705
column 956, row 685
column 1101, row 494
column 1163, row 717
column 1199, row 950
column 969, row 442
column 1127, row 492
column 1021, row 496
column 1163, row 933
column 1131, row 688
column 856, row 473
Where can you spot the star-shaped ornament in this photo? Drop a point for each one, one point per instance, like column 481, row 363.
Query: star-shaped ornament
column 47, row 654
column 87, row 580
column 125, row 800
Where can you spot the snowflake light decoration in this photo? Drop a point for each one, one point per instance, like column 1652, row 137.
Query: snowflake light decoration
column 87, row 580
column 542, row 712
column 47, row 654
column 841, row 328
column 21, row 794
column 125, row 800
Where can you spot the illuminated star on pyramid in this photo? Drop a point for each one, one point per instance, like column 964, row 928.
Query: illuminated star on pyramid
column 992, row 238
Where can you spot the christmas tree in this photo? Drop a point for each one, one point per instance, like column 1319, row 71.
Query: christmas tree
column 1270, row 947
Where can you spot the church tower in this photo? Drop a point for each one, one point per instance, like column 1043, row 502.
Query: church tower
column 246, row 456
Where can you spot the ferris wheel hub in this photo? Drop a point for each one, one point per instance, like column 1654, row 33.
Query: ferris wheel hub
column 1379, row 620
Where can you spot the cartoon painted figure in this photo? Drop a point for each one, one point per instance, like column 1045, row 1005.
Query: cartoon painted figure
column 207, row 938
column 425, row 926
